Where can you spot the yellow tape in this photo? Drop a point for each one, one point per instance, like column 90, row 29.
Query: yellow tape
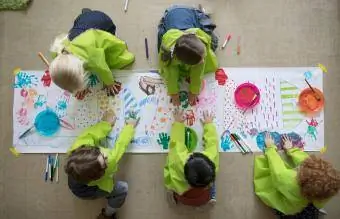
column 323, row 150
column 16, row 71
column 323, row 68
column 14, row 151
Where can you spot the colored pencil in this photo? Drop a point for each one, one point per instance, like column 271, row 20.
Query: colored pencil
column 315, row 94
column 238, row 137
column 57, row 173
column 126, row 5
column 55, row 166
column 46, row 169
column 146, row 48
column 49, row 167
column 238, row 145
column 43, row 58
column 226, row 41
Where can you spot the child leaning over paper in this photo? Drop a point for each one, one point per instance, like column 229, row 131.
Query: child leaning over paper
column 189, row 176
column 300, row 189
column 91, row 168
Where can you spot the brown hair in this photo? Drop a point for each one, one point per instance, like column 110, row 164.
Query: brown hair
column 83, row 165
column 318, row 179
column 189, row 49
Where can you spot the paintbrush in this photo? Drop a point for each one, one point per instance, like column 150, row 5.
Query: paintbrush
column 26, row 132
column 243, row 142
column 315, row 93
column 43, row 58
column 238, row 145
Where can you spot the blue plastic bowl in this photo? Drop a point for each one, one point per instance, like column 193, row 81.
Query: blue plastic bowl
column 47, row 123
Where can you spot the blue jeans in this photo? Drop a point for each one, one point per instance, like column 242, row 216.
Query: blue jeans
column 115, row 199
column 182, row 18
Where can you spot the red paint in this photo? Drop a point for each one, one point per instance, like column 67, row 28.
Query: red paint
column 220, row 76
column 23, row 93
column 190, row 117
column 46, row 79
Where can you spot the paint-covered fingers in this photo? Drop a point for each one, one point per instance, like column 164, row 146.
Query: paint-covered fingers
column 80, row 95
column 208, row 117
column 110, row 117
column 193, row 99
column 268, row 140
column 175, row 99
column 113, row 89
column 179, row 115
column 287, row 142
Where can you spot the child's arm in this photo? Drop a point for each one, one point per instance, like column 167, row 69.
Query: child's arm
column 92, row 135
column 275, row 163
column 122, row 142
column 177, row 148
column 297, row 155
column 211, row 143
column 196, row 76
column 171, row 76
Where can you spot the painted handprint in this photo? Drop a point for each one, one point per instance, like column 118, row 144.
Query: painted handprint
column 220, row 76
column 41, row 100
column 163, row 140
column 46, row 79
column 183, row 97
column 226, row 143
column 92, row 80
column 24, row 79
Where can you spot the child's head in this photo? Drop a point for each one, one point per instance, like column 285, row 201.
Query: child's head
column 318, row 179
column 67, row 71
column 86, row 164
column 189, row 49
column 199, row 170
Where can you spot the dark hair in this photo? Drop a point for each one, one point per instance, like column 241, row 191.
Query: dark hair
column 199, row 170
column 189, row 49
column 83, row 165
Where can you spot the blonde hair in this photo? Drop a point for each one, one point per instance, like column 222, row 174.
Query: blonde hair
column 67, row 72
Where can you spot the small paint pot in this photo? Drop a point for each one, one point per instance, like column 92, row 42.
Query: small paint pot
column 247, row 95
column 47, row 123
column 309, row 103
column 191, row 139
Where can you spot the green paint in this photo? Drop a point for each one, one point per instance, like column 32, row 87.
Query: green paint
column 163, row 140
column 288, row 96
column 190, row 139
column 183, row 97
column 291, row 120
column 288, row 88
column 290, row 112
column 288, row 105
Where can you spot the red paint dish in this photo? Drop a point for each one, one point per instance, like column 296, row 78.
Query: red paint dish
column 247, row 96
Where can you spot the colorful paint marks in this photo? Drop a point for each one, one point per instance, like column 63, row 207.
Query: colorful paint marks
column 46, row 79
column 183, row 97
column 226, row 142
column 40, row 101
column 296, row 139
column 141, row 141
column 312, row 131
column 22, row 117
column 92, row 80
column 25, row 80
column 308, row 75
column 190, row 117
column 163, row 140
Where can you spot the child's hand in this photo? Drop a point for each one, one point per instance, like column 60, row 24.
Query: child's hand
column 287, row 143
column 179, row 115
column 175, row 99
column 207, row 117
column 193, row 99
column 110, row 117
column 269, row 140
column 132, row 119
column 113, row 89
column 80, row 95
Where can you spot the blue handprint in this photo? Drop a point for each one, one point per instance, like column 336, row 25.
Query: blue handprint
column 23, row 80
column 226, row 143
column 92, row 80
column 41, row 100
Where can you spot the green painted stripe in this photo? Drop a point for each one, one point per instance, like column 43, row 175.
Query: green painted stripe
column 288, row 88
column 290, row 112
column 289, row 96
column 291, row 120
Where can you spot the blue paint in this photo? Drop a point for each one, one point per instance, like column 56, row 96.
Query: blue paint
column 226, row 143
column 62, row 105
column 308, row 75
column 25, row 80
column 277, row 137
column 92, row 80
column 148, row 100
column 141, row 141
column 47, row 123
column 41, row 100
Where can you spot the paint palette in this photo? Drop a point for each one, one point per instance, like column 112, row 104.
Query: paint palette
column 247, row 95
column 47, row 123
column 311, row 103
column 191, row 139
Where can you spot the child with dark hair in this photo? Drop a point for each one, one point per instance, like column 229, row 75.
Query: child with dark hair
column 189, row 176
column 295, row 191
column 186, row 45
column 91, row 168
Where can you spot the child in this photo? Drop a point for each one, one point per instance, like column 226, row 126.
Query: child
column 90, row 167
column 186, row 45
column 190, row 176
column 91, row 45
column 299, row 190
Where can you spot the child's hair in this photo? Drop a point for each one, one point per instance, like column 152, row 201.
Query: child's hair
column 189, row 49
column 83, row 164
column 199, row 170
column 318, row 179
column 67, row 71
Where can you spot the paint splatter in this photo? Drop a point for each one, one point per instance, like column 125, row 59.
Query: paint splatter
column 41, row 100
column 25, row 80
column 163, row 140
column 92, row 80
column 23, row 92
column 226, row 143
column 46, row 79
column 253, row 132
column 22, row 116
column 141, row 141
column 277, row 137
column 220, row 76
column 308, row 75
column 183, row 97
column 311, row 129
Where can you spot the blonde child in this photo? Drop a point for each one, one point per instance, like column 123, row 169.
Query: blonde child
column 296, row 191
column 90, row 46
column 186, row 45
column 190, row 177
column 91, row 168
